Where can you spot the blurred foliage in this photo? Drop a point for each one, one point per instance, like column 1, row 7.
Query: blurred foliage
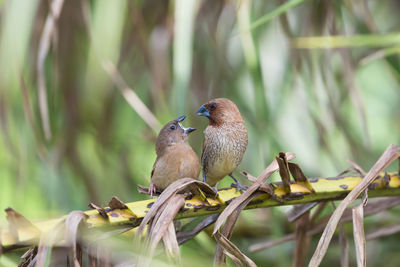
column 327, row 99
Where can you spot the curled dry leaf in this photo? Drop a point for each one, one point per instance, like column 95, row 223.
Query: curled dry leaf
column 20, row 227
column 344, row 246
column 47, row 241
column 372, row 208
column 284, row 171
column 359, row 237
column 302, row 240
column 385, row 231
column 387, row 157
column 116, row 203
column 72, row 222
column 99, row 209
column 233, row 252
column 44, row 46
column 254, row 187
column 187, row 235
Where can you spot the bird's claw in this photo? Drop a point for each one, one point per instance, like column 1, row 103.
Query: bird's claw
column 152, row 189
column 239, row 187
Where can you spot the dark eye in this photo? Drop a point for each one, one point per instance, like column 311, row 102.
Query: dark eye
column 213, row 105
column 172, row 127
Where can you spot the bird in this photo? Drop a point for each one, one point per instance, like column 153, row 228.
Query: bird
column 225, row 141
column 175, row 157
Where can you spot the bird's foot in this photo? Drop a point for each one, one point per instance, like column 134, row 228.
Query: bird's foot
column 152, row 189
column 239, row 187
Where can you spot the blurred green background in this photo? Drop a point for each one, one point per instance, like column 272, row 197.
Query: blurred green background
column 69, row 137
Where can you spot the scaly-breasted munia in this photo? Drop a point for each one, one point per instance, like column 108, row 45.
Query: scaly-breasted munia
column 175, row 157
column 225, row 140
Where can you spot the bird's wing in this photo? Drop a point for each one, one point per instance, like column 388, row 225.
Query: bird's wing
column 154, row 167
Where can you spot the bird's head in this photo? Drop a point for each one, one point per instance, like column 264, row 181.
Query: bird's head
column 220, row 111
column 172, row 133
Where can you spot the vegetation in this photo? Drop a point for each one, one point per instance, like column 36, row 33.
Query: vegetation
column 318, row 78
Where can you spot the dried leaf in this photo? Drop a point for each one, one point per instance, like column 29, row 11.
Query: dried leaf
column 116, row 203
column 169, row 192
column 44, row 46
column 72, row 223
column 385, row 231
column 372, row 208
column 166, row 217
column 231, row 250
column 20, row 227
column 171, row 243
column 359, row 237
column 227, row 230
column 187, row 235
column 101, row 210
column 299, row 176
column 344, row 246
column 132, row 98
column 357, row 167
column 284, row 171
column 29, row 258
column 47, row 241
column 254, row 187
column 298, row 210
column 302, row 241
column 387, row 157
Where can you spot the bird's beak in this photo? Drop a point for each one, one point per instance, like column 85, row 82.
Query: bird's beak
column 203, row 111
column 185, row 130
column 188, row 130
column 181, row 118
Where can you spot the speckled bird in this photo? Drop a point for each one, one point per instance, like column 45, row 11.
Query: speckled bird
column 225, row 140
column 175, row 157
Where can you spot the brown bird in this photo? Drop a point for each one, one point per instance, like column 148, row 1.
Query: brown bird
column 225, row 140
column 175, row 157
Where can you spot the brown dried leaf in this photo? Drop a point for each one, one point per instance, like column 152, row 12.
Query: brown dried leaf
column 29, row 258
column 47, row 241
column 359, row 237
column 171, row 243
column 390, row 154
column 132, row 98
column 72, row 222
column 302, row 241
column 385, row 231
column 344, row 246
column 254, row 187
column 284, row 171
column 298, row 210
column 299, row 176
column 357, row 168
column 44, row 46
column 165, row 219
column 116, row 203
column 170, row 191
column 20, row 226
column 233, row 252
column 99, row 209
column 227, row 230
column 372, row 208
column 187, row 235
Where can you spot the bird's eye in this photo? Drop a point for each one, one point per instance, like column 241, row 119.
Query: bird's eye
column 213, row 105
column 172, row 127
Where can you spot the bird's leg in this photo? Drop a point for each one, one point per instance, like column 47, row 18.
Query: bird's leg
column 237, row 185
column 152, row 189
column 204, row 178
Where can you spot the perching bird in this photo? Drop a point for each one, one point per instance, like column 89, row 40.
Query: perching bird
column 225, row 140
column 175, row 157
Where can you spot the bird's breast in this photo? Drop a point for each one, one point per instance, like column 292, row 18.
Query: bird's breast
column 223, row 150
